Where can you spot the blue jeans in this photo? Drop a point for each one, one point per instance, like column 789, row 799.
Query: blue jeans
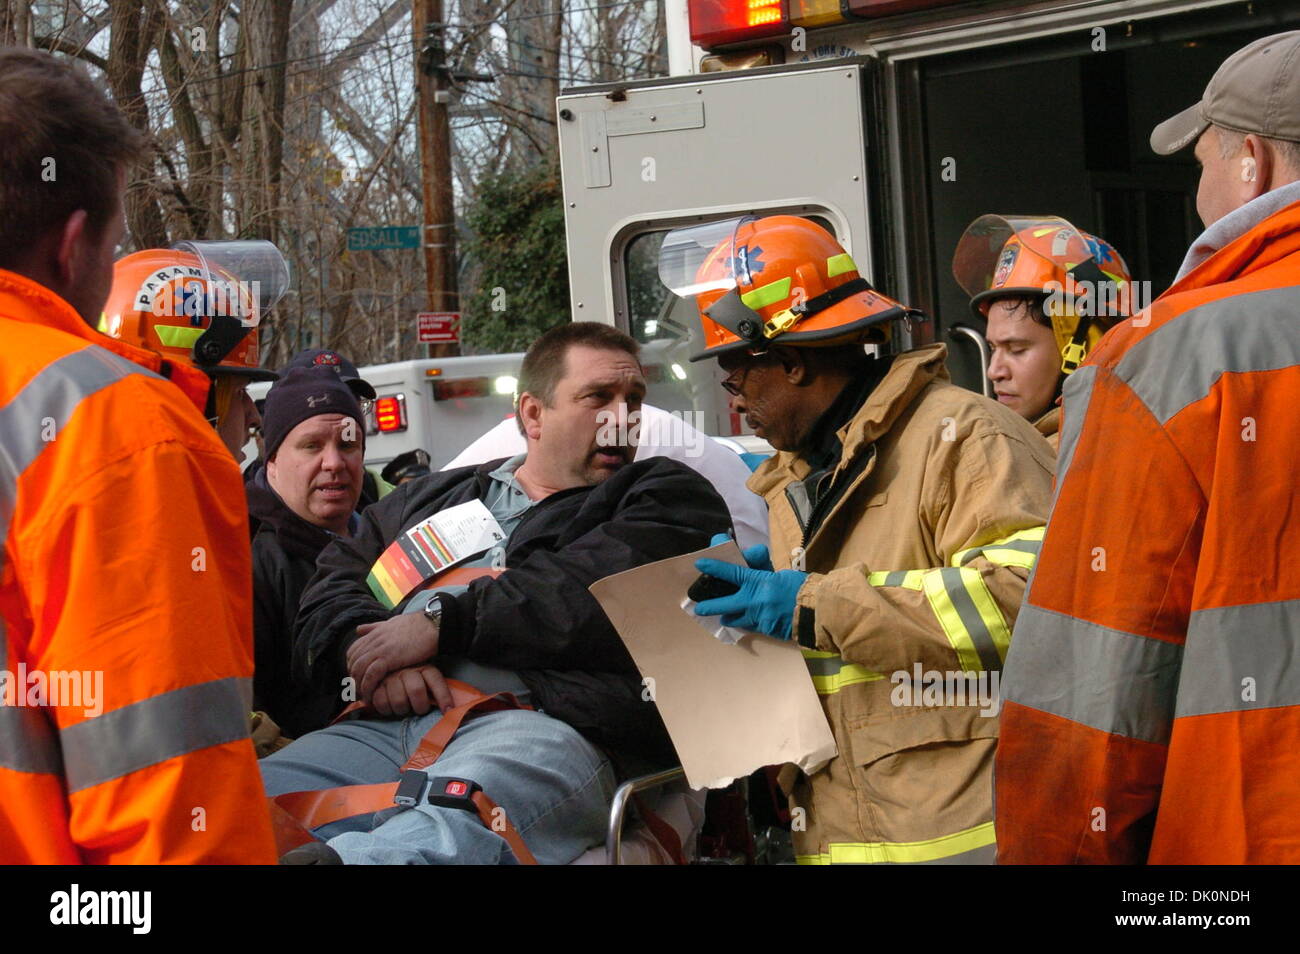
column 554, row 786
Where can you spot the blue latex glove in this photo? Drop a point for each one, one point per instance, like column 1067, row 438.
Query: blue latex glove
column 764, row 603
column 757, row 557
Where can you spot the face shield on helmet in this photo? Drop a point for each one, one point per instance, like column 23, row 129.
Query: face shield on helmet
column 198, row 303
column 782, row 277
column 1081, row 280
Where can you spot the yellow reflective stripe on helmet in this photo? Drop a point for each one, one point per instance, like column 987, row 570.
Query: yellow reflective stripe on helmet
column 968, row 616
column 768, row 294
column 839, row 264
column 830, row 673
column 905, row 852
column 178, row 336
column 908, row 579
column 1020, row 549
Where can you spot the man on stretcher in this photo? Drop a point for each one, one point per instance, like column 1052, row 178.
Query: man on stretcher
column 518, row 619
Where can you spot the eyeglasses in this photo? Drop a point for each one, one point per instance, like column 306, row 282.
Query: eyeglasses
column 732, row 385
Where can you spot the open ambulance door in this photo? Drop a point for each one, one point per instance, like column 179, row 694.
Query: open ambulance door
column 639, row 162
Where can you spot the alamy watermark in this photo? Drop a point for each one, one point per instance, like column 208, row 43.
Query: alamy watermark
column 62, row 689
column 624, row 428
column 129, row 908
column 933, row 688
column 1096, row 299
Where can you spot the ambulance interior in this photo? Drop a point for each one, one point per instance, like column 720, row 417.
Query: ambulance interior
column 1052, row 126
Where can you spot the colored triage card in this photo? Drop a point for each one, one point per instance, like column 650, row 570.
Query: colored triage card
column 423, row 551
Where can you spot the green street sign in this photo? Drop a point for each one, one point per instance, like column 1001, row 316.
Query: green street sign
column 382, row 237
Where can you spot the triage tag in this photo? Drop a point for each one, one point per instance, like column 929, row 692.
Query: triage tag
column 423, row 551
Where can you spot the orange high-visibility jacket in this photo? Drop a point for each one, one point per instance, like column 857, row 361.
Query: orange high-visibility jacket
column 125, row 606
column 1152, row 689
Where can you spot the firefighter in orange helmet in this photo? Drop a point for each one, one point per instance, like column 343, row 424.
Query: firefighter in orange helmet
column 1048, row 292
column 905, row 513
column 199, row 305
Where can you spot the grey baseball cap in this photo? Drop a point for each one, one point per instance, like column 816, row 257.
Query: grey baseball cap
column 1256, row 90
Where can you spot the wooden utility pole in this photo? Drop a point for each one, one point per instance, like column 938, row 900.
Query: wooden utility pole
column 433, row 89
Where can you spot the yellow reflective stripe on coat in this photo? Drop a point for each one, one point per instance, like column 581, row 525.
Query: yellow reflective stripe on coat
column 969, row 617
column 1020, row 549
column 905, row 852
column 909, row 579
column 830, row 673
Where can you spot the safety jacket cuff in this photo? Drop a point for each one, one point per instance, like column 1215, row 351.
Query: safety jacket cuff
column 805, row 612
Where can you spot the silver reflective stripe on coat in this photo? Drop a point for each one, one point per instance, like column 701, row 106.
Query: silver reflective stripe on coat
column 1103, row 678
column 154, row 730
column 51, row 397
column 1240, row 658
column 1076, row 396
column 27, row 738
column 1180, row 362
column 983, row 855
column 955, row 586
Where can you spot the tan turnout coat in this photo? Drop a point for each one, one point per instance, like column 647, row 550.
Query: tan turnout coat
column 904, row 574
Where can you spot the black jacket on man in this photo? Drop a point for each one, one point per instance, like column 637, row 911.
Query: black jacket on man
column 285, row 548
column 537, row 618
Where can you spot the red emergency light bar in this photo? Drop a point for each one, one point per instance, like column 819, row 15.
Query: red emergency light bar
column 390, row 414
column 719, row 22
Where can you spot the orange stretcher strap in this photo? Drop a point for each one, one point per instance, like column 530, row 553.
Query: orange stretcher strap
column 294, row 814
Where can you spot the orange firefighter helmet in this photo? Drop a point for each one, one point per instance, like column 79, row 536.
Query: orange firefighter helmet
column 781, row 277
column 1082, row 281
column 198, row 303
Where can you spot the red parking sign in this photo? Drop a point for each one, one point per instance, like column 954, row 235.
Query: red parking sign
column 439, row 327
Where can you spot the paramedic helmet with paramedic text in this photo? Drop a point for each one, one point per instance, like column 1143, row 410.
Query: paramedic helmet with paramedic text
column 198, row 303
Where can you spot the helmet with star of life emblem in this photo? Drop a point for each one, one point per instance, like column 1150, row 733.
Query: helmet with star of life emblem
column 1082, row 282
column 782, row 278
column 198, row 303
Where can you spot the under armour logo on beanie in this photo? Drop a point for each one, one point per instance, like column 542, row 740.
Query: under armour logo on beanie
column 302, row 393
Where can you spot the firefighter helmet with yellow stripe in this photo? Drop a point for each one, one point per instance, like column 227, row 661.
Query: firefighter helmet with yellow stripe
column 1083, row 283
column 781, row 277
column 198, row 303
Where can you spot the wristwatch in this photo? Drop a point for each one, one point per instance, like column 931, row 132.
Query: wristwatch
column 433, row 610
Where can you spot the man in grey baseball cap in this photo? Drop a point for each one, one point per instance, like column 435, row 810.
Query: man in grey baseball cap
column 1164, row 688
column 1246, row 127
